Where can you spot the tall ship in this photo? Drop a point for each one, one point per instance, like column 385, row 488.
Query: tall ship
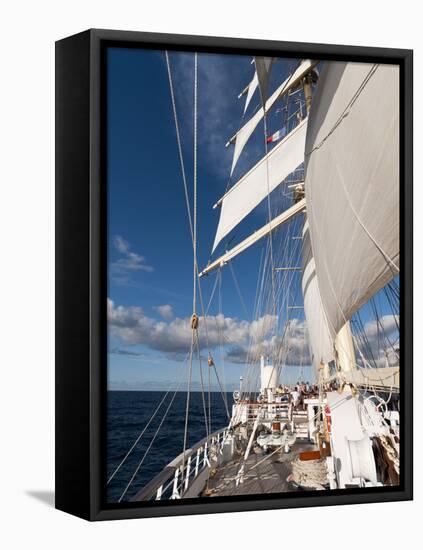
column 328, row 185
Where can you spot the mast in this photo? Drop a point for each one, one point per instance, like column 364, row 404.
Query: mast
column 312, row 303
column 276, row 165
column 308, row 95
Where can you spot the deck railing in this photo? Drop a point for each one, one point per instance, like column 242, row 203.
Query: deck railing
column 304, row 417
column 177, row 477
column 249, row 411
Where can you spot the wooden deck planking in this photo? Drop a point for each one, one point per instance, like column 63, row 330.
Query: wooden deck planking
column 268, row 477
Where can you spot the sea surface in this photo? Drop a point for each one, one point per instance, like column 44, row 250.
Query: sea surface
column 128, row 415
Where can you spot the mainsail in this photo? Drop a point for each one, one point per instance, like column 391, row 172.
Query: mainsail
column 243, row 135
column 352, row 185
column 320, row 338
column 262, row 179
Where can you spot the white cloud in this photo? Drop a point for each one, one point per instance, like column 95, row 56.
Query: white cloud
column 242, row 340
column 129, row 262
column 120, row 244
column 387, row 323
column 165, row 311
column 381, row 347
column 291, row 349
column 133, row 327
column 297, row 344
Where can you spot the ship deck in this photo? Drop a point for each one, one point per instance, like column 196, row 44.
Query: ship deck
column 261, row 475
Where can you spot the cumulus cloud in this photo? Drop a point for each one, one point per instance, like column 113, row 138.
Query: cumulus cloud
column 133, row 326
column 128, row 262
column 382, row 339
column 165, row 311
column 291, row 348
column 387, row 323
column 242, row 340
column 297, row 344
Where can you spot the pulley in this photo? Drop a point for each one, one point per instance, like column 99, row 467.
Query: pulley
column 194, row 321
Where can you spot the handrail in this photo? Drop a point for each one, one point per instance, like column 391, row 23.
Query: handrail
column 172, row 471
column 152, row 486
column 175, row 478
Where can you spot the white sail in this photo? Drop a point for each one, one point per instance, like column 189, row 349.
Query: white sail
column 320, row 339
column 387, row 378
column 262, row 179
column 252, row 87
column 352, row 184
column 243, row 135
column 286, row 216
column 263, row 69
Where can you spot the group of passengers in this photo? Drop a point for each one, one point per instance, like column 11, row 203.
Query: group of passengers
column 296, row 395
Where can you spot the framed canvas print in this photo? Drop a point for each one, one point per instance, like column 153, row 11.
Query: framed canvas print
column 234, row 274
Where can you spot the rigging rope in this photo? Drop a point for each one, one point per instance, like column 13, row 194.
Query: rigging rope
column 202, row 386
column 269, row 210
column 194, row 320
column 194, row 242
column 138, row 438
column 238, row 289
column 178, row 139
column 190, row 220
column 149, row 446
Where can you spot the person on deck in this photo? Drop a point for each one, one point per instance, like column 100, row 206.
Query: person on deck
column 295, row 398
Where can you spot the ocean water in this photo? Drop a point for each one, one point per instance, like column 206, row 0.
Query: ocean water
column 128, row 414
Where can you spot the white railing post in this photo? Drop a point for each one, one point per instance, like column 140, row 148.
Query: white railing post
column 187, row 472
column 175, row 492
column 206, row 458
column 159, row 492
column 310, row 410
column 197, row 462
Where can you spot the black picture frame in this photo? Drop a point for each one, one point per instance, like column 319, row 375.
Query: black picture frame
column 81, row 260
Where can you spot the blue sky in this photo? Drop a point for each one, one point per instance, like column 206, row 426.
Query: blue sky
column 150, row 251
column 150, row 254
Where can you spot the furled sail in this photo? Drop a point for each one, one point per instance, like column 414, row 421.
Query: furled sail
column 352, row 184
column 262, row 179
column 320, row 338
column 245, row 132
